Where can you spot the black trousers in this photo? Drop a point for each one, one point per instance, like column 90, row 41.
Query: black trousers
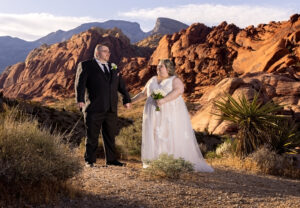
column 94, row 122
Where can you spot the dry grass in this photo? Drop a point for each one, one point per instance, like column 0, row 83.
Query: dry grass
column 136, row 110
column 34, row 164
column 262, row 161
column 237, row 163
column 129, row 139
column 67, row 104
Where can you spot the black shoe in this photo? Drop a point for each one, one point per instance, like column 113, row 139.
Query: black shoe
column 116, row 163
column 89, row 165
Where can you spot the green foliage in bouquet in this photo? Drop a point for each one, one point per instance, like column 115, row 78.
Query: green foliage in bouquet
column 156, row 95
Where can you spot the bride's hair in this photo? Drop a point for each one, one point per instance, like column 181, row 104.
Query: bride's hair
column 169, row 65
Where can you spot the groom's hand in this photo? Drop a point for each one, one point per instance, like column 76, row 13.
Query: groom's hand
column 80, row 105
column 127, row 105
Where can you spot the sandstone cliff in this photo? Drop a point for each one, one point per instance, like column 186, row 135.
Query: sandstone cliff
column 210, row 61
column 49, row 71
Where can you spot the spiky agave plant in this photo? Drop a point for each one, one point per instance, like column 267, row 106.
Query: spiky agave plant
column 286, row 137
column 253, row 119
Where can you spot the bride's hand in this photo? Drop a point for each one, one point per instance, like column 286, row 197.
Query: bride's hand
column 159, row 102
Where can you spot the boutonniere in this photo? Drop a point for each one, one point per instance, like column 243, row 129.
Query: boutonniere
column 114, row 66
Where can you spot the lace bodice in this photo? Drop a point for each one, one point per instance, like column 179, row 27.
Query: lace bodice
column 166, row 85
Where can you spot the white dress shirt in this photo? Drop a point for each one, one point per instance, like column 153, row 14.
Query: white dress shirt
column 101, row 66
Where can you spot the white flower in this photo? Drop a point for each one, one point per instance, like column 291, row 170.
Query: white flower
column 156, row 95
column 114, row 66
column 159, row 91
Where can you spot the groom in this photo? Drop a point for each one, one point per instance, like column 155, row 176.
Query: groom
column 97, row 85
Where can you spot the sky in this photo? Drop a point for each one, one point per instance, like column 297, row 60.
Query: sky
column 32, row 19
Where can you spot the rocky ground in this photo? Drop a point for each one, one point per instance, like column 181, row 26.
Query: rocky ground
column 130, row 187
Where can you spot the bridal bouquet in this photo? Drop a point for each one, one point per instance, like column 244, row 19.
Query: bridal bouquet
column 156, row 95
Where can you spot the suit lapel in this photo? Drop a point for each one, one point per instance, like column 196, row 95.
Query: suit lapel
column 96, row 65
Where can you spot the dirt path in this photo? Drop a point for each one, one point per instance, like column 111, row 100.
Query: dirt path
column 128, row 187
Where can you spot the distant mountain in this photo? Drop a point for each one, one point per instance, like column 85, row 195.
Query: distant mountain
column 13, row 50
column 167, row 26
column 131, row 29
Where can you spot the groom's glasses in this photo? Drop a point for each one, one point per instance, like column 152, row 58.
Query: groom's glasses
column 105, row 51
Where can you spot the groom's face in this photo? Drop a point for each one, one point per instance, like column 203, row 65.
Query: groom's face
column 103, row 54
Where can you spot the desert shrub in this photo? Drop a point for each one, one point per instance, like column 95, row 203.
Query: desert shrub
column 211, row 155
column 225, row 148
column 31, row 156
column 269, row 162
column 263, row 161
column 166, row 166
column 253, row 119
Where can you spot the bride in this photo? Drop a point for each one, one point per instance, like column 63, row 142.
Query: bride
column 168, row 129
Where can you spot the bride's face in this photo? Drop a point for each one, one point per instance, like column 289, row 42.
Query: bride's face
column 162, row 71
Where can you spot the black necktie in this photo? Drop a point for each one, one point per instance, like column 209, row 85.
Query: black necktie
column 106, row 71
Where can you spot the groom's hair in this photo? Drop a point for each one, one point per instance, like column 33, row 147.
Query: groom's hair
column 169, row 65
column 97, row 48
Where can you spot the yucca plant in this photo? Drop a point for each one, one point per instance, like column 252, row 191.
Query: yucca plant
column 286, row 137
column 253, row 119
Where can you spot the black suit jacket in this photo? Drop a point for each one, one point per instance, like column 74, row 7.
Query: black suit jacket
column 99, row 93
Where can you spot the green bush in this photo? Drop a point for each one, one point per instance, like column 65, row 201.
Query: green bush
column 30, row 155
column 168, row 167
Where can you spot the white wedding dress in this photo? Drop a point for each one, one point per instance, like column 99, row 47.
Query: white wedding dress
column 169, row 130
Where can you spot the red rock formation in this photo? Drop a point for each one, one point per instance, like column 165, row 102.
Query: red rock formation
column 49, row 71
column 203, row 56
column 282, row 89
column 270, row 47
column 136, row 73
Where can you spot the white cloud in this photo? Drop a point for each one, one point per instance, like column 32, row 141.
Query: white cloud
column 213, row 14
column 32, row 26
